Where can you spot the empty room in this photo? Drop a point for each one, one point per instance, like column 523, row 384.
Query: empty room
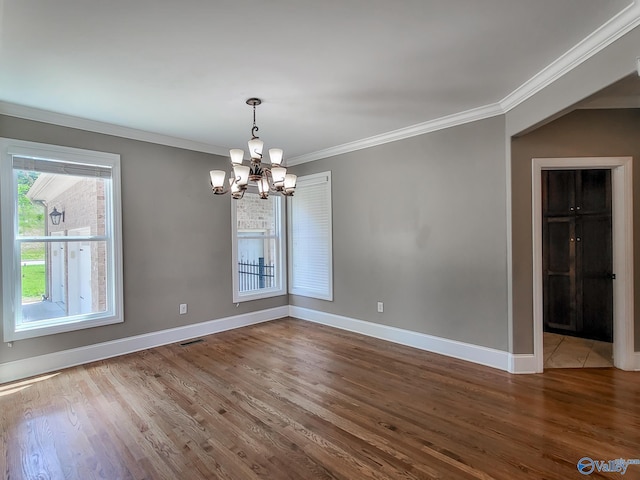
column 320, row 240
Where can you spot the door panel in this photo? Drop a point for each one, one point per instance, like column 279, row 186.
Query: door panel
column 558, row 307
column 84, row 267
column 596, row 262
column 595, row 194
column 58, row 280
column 560, row 189
column 577, row 253
column 560, row 248
column 595, row 306
column 596, row 246
column 79, row 274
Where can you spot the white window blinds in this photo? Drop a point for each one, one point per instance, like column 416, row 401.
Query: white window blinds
column 310, row 238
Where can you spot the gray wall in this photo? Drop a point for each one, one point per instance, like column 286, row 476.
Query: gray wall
column 176, row 239
column 609, row 65
column 420, row 224
column 582, row 133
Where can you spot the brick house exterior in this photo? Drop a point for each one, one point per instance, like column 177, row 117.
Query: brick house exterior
column 256, row 215
column 257, row 245
column 82, row 199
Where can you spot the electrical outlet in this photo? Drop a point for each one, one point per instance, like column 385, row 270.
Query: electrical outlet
column 380, row 307
column 183, row 308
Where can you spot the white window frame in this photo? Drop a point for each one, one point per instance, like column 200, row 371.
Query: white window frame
column 280, row 287
column 323, row 180
column 11, row 290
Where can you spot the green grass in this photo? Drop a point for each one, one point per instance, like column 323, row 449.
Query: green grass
column 32, row 252
column 33, row 283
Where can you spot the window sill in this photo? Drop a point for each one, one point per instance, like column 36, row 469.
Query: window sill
column 37, row 329
column 240, row 298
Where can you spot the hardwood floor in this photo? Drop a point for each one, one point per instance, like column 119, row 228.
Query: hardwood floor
column 294, row 400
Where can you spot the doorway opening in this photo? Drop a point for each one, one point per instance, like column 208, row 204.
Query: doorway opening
column 621, row 257
column 577, row 268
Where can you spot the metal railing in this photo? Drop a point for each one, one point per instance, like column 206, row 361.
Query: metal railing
column 255, row 275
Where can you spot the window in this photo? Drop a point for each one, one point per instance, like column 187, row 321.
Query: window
column 310, row 238
column 61, row 239
column 258, row 247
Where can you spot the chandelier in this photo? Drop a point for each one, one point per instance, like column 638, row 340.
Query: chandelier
column 274, row 179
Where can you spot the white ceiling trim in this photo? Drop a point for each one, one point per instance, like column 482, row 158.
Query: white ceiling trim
column 615, row 28
column 46, row 116
column 624, row 22
column 441, row 123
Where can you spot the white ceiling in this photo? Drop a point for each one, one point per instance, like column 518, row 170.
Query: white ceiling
column 329, row 72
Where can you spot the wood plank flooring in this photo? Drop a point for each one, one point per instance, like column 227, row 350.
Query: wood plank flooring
column 293, row 400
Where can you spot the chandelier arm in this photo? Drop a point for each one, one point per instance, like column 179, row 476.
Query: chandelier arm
column 269, row 175
column 239, row 193
column 220, row 190
column 227, row 188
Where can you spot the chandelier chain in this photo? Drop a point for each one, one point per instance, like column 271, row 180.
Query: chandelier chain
column 255, row 127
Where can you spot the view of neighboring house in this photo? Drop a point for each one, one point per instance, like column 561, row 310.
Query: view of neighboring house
column 75, row 271
column 256, row 224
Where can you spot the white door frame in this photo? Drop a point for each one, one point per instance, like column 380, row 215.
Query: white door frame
column 622, row 229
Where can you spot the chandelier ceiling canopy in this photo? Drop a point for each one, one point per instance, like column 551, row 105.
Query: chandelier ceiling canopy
column 267, row 179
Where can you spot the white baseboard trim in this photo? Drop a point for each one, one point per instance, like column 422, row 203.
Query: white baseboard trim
column 464, row 351
column 526, row 363
column 29, row 367
column 636, row 361
column 522, row 363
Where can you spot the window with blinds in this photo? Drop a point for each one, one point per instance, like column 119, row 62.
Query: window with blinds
column 310, row 238
column 61, row 239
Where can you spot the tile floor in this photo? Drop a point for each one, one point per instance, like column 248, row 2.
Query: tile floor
column 562, row 351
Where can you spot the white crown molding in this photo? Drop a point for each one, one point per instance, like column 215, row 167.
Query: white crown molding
column 46, row 116
column 50, row 362
column 622, row 23
column 619, row 25
column 441, row 123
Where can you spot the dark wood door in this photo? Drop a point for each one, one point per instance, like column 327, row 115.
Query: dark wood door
column 577, row 253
